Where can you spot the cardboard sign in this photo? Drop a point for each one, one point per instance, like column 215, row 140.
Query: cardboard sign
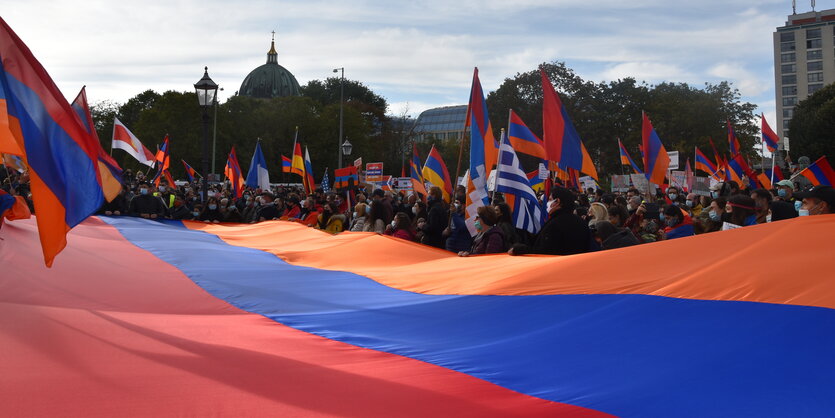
column 640, row 182
column 678, row 179
column 726, row 226
column 621, row 183
column 588, row 183
column 403, row 183
column 373, row 172
column 673, row 160
column 358, row 163
column 543, row 172
column 701, row 186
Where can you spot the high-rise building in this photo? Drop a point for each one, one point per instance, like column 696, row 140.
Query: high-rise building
column 804, row 60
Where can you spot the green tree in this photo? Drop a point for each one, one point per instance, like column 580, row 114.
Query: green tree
column 812, row 126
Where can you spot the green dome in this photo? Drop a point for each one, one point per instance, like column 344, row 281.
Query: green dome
column 270, row 80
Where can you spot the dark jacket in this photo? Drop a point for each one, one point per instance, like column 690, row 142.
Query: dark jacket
column 146, row 204
column 211, row 215
column 620, row 239
column 459, row 239
column 564, row 233
column 435, row 224
column 489, row 242
column 181, row 212
column 119, row 203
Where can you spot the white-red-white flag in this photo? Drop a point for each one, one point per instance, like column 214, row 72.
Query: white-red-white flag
column 124, row 139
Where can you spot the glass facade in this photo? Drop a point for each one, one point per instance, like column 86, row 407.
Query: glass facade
column 441, row 123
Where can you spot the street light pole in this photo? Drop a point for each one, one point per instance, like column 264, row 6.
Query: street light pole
column 214, row 135
column 206, row 96
column 341, row 105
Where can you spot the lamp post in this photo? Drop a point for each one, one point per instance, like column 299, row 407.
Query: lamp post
column 214, row 135
column 341, row 104
column 207, row 97
column 346, row 148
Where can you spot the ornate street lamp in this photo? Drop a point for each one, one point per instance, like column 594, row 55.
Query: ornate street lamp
column 347, row 147
column 207, row 97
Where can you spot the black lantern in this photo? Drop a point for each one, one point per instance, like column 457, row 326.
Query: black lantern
column 206, row 90
column 347, row 147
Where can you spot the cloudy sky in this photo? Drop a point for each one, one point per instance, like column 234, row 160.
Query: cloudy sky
column 417, row 54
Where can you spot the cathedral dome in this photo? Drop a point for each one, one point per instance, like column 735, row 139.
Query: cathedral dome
column 270, row 80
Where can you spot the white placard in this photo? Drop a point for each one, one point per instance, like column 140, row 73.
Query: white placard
column 673, row 160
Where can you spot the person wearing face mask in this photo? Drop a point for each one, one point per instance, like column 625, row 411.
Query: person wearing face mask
column 714, row 215
column 762, row 205
column 563, row 233
column 211, row 214
column 785, row 191
column 330, row 220
column 457, row 235
column 694, row 204
column 820, row 200
column 267, row 211
column 673, row 196
column 360, row 217
column 376, row 216
column 677, row 224
column 490, row 238
column 180, row 211
column 117, row 206
column 145, row 204
column 250, row 209
column 436, row 219
column 401, row 227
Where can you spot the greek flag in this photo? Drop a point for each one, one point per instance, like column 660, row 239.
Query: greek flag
column 326, row 188
column 512, row 179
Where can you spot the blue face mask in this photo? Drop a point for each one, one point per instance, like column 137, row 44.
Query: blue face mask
column 673, row 196
column 689, row 203
column 714, row 216
column 782, row 192
column 714, row 194
column 195, row 213
column 212, row 207
column 797, row 205
column 143, row 191
column 671, row 222
column 661, row 217
column 477, row 225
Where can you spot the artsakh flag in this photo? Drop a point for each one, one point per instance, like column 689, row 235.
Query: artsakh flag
column 769, row 137
column 481, row 141
column 819, row 173
column 39, row 125
column 656, row 160
column 562, row 142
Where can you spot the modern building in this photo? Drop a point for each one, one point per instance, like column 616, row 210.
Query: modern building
column 270, row 80
column 440, row 123
column 804, row 60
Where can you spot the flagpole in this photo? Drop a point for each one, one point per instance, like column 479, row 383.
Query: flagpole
column 621, row 163
column 498, row 156
column 773, row 160
column 457, row 167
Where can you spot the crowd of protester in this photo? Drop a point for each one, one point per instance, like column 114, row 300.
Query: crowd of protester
column 575, row 223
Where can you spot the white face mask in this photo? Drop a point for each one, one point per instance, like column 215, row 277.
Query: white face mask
column 394, row 224
column 354, row 214
column 415, row 210
column 551, row 205
column 803, row 212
